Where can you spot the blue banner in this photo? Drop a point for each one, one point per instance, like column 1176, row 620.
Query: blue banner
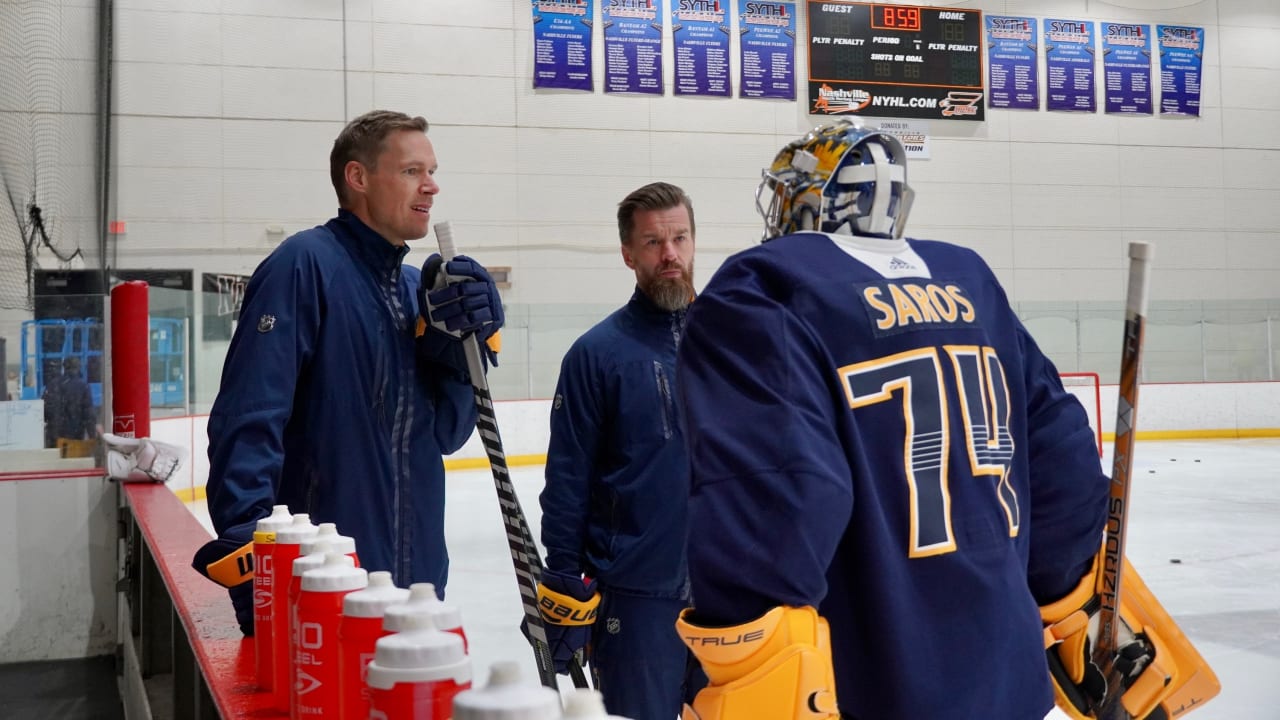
column 1126, row 68
column 700, row 33
column 768, row 49
column 1181, row 52
column 562, row 44
column 1068, row 59
column 1013, row 62
column 633, row 45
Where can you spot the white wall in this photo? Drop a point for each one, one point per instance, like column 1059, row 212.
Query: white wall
column 226, row 112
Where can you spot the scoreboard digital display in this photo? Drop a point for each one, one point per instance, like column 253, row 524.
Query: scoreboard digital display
column 897, row 61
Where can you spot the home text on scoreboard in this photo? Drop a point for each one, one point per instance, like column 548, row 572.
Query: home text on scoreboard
column 895, row 61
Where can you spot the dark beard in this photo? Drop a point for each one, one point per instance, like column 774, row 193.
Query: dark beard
column 670, row 294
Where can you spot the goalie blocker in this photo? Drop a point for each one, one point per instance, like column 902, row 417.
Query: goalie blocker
column 1164, row 675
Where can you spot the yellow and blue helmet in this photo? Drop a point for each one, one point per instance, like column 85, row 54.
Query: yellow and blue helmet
column 842, row 178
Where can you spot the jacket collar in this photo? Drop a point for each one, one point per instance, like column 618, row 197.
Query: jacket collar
column 373, row 249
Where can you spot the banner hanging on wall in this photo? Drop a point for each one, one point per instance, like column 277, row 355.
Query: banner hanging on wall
column 700, row 34
column 1068, row 59
column 1181, row 53
column 562, row 44
column 1126, row 68
column 1013, row 61
column 633, row 45
column 767, row 47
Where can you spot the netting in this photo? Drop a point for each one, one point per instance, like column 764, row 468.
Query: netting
column 47, row 179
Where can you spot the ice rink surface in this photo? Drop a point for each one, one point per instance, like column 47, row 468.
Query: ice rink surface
column 1204, row 532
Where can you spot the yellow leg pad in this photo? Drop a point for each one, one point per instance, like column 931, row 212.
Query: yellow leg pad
column 1192, row 681
column 777, row 666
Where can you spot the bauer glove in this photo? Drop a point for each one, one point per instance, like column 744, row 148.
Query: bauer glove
column 456, row 299
column 569, row 604
column 228, row 561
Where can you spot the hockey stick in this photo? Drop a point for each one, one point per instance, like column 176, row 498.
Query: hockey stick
column 1108, row 588
column 524, row 553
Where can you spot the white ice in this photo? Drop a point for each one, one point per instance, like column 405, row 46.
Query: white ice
column 1204, row 532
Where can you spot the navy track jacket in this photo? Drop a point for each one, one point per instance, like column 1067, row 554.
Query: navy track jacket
column 326, row 407
column 617, row 474
column 874, row 433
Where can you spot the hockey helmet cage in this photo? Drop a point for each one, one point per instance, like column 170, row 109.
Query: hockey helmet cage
column 844, row 177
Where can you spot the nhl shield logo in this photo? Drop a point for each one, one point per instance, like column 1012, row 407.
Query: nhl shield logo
column 558, row 402
column 266, row 323
column 613, row 625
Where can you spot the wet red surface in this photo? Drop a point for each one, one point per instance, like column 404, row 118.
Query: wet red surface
column 224, row 655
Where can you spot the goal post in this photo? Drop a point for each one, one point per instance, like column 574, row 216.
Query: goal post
column 1087, row 387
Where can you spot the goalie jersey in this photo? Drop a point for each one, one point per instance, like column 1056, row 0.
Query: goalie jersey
column 873, row 432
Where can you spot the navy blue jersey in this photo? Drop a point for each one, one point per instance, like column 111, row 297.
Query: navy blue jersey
column 873, row 432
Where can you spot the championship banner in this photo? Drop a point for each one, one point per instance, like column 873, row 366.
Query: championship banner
column 633, row 45
column 1068, row 58
column 1126, row 68
column 767, row 32
column 1013, row 62
column 1181, row 53
column 562, row 44
column 700, row 34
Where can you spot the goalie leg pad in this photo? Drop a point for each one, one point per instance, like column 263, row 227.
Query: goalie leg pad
column 776, row 666
column 1165, row 674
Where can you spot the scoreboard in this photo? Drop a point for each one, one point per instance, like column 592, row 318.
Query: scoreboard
column 897, row 61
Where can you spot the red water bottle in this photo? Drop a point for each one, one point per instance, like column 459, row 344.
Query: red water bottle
column 264, row 544
column 311, row 555
column 341, row 544
column 359, row 630
column 423, row 600
column 507, row 697
column 319, row 614
column 415, row 674
column 288, row 547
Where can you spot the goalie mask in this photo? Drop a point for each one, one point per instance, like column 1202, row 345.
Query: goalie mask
column 840, row 178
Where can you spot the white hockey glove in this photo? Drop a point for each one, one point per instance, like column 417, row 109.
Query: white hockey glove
column 141, row 459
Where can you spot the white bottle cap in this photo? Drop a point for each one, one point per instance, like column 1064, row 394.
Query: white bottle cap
column 422, row 601
column 297, row 531
column 586, row 704
column 507, row 697
column 337, row 543
column 418, row 656
column 338, row 574
column 373, row 601
column 312, row 556
column 276, row 521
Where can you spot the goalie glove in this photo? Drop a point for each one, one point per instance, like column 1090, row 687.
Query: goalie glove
column 777, row 666
column 141, row 459
column 1161, row 670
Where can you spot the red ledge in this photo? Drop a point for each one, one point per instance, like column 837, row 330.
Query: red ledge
column 52, row 474
column 224, row 655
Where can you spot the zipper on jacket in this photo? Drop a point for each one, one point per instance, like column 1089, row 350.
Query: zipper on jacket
column 664, row 393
